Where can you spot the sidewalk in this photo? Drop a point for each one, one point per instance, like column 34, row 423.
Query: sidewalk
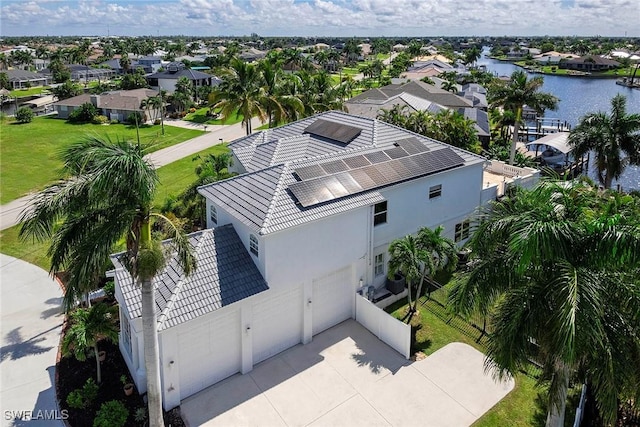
column 10, row 212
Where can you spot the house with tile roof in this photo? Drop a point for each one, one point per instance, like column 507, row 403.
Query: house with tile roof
column 167, row 79
column 304, row 226
column 421, row 96
column 115, row 105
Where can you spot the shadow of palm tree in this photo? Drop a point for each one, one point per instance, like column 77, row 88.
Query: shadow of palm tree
column 53, row 311
column 363, row 360
column 19, row 348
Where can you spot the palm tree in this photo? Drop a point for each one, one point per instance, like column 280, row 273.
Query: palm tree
column 240, row 93
column 107, row 196
column 614, row 138
column 554, row 269
column 279, row 105
column 420, row 257
column 518, row 93
column 87, row 327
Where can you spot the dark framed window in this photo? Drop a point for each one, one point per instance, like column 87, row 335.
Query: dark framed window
column 378, row 265
column 213, row 215
column 253, row 245
column 380, row 213
column 462, row 230
column 435, row 191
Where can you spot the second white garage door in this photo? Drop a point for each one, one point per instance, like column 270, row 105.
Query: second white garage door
column 209, row 353
column 277, row 323
column 332, row 299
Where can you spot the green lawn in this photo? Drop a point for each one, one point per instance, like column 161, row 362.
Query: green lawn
column 30, row 251
column 177, row 176
column 29, row 152
column 200, row 116
column 436, row 327
column 174, row 178
column 20, row 93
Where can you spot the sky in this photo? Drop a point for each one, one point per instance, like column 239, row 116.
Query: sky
column 343, row 18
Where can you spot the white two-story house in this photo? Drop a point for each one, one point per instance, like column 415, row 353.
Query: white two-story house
column 292, row 238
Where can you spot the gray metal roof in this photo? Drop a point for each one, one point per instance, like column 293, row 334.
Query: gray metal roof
column 261, row 198
column 225, row 274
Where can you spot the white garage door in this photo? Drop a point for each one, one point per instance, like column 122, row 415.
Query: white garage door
column 209, row 353
column 332, row 299
column 277, row 323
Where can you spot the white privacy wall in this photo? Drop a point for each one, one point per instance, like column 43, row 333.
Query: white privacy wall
column 390, row 330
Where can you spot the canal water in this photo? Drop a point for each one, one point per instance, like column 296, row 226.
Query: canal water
column 578, row 97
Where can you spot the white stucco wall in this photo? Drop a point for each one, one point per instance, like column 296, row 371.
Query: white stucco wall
column 410, row 208
column 243, row 231
column 312, row 250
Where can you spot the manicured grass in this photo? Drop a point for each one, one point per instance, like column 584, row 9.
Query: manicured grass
column 174, row 178
column 28, row 250
column 30, row 152
column 20, row 93
column 177, row 176
column 436, row 327
column 200, row 116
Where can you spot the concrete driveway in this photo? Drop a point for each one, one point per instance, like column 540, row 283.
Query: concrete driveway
column 31, row 324
column 347, row 377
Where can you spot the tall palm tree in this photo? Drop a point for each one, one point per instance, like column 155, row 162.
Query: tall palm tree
column 420, row 257
column 108, row 195
column 240, row 93
column 88, row 327
column 555, row 270
column 279, row 105
column 518, row 93
column 614, row 138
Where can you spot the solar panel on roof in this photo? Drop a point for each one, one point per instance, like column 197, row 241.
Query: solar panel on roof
column 349, row 183
column 375, row 175
column 309, row 172
column 335, row 131
column 363, row 180
column 412, row 145
column 396, row 152
column 377, row 157
column 357, row 162
column 335, row 166
column 334, row 186
column 341, row 184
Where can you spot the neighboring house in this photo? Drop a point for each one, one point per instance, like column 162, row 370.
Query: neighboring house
column 150, row 64
column 21, row 79
column 553, row 57
column 419, row 96
column 167, row 79
column 305, row 225
column 115, row 105
column 590, row 63
column 476, row 94
column 252, row 55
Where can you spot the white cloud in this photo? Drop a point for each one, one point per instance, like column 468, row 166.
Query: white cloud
column 322, row 17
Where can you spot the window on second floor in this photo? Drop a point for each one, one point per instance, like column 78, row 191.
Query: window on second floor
column 462, row 230
column 380, row 213
column 253, row 245
column 378, row 265
column 435, row 191
column 213, row 215
column 125, row 329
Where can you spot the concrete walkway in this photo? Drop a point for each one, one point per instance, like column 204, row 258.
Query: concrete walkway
column 348, row 377
column 31, row 324
column 10, row 212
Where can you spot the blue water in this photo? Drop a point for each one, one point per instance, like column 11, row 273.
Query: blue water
column 578, row 97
